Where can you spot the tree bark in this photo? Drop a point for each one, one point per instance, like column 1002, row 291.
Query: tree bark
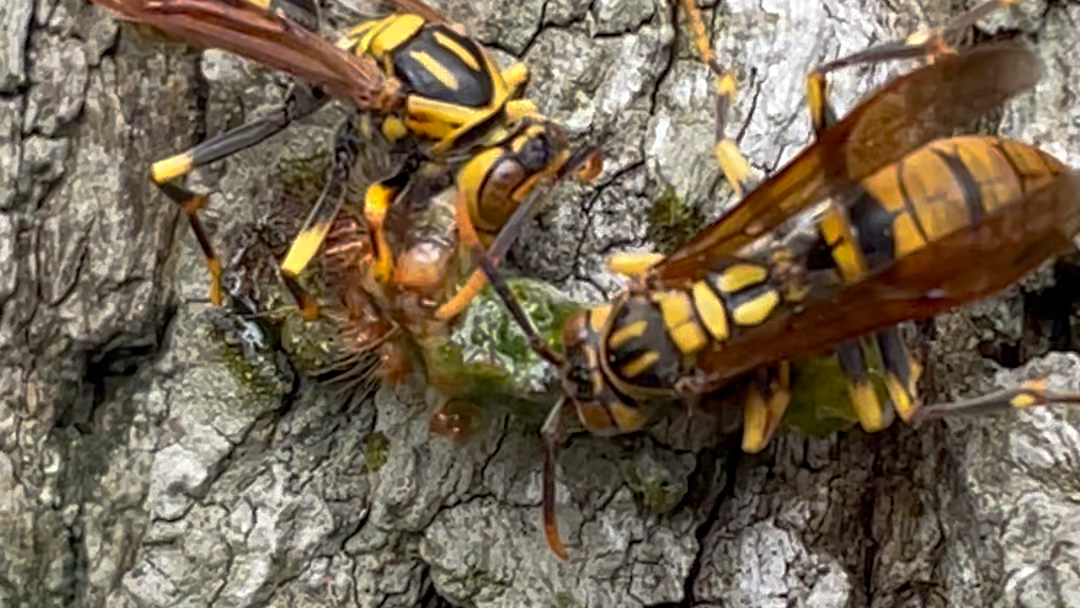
column 144, row 463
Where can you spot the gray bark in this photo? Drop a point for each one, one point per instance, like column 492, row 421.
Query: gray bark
column 142, row 463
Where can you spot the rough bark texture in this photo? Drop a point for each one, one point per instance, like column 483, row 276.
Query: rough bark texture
column 142, row 463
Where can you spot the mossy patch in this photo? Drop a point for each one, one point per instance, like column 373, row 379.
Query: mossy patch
column 672, row 221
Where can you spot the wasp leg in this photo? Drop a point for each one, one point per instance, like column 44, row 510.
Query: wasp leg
column 552, row 432
column 377, row 202
column 1029, row 394
column 300, row 102
column 517, row 77
column 901, row 371
column 311, row 235
column 767, row 396
column 874, row 414
column 921, row 46
column 734, row 165
column 470, row 242
column 190, row 203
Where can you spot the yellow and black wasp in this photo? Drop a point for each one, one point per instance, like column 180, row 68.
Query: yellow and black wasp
column 908, row 221
column 435, row 95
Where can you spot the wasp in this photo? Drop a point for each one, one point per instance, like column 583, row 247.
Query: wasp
column 432, row 94
column 904, row 221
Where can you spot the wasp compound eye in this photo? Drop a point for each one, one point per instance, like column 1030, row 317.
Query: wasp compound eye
column 536, row 153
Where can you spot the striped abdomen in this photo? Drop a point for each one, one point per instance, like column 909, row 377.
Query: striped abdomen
column 939, row 188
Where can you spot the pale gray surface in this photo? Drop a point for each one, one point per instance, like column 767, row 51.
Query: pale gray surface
column 142, row 464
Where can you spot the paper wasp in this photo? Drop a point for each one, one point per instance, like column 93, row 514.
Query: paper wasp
column 432, row 94
column 908, row 221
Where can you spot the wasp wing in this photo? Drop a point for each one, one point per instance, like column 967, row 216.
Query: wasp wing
column 963, row 266
column 271, row 39
column 908, row 112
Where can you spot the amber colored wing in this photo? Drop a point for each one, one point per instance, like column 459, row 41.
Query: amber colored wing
column 966, row 265
column 268, row 38
column 908, row 112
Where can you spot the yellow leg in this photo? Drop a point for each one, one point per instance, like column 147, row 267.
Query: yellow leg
column 552, row 434
column 307, row 243
column 872, row 412
column 764, row 405
column 901, row 371
column 469, row 241
column 1032, row 393
column 734, row 165
column 190, row 203
column 377, row 203
column 165, row 173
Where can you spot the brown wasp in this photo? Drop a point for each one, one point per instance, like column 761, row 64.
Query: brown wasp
column 433, row 95
column 908, row 221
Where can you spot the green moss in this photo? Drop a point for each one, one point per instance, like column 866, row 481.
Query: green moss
column 304, row 178
column 654, row 486
column 376, row 447
column 671, row 221
column 257, row 374
column 563, row 599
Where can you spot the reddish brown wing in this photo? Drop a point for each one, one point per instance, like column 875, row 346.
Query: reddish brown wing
column 910, row 111
column 252, row 32
column 966, row 265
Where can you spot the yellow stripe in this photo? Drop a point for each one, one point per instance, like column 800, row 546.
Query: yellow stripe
column 712, row 311
column 688, row 338
column 624, row 334
column 740, row 276
column 436, row 69
column 471, row 178
column 432, row 110
column 640, row 365
column 462, row 53
column 396, row 30
column 675, row 307
column 678, row 312
column 757, row 310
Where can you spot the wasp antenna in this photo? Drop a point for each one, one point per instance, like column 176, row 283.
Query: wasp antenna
column 552, row 434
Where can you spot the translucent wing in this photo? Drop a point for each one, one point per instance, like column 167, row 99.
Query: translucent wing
column 910, row 111
column 268, row 38
column 961, row 267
